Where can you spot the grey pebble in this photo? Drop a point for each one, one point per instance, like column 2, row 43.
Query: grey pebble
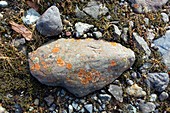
column 1, row 16
column 147, row 107
column 163, row 96
column 129, row 82
column 49, row 100
column 116, row 92
column 165, row 17
column 97, row 34
column 89, row 108
column 36, row 102
column 153, row 97
column 70, row 109
column 131, row 109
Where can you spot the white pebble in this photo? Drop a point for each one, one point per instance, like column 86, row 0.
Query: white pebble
column 3, row 4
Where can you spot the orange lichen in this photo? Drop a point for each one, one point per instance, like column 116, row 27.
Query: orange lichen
column 55, row 50
column 35, row 67
column 112, row 63
column 113, row 43
column 44, row 64
column 60, row 62
column 136, row 5
column 68, row 66
column 88, row 76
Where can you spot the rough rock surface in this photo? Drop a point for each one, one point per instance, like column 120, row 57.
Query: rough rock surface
column 143, row 6
column 95, row 9
column 117, row 92
column 50, row 24
column 163, row 43
column 135, row 91
column 157, row 81
column 81, row 66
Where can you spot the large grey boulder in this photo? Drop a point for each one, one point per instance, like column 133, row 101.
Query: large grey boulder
column 50, row 24
column 81, row 66
column 144, row 6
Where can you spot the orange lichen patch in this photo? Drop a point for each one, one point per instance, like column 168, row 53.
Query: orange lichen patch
column 60, row 62
column 55, row 50
column 35, row 67
column 88, row 76
column 136, row 5
column 44, row 64
column 81, row 72
column 113, row 63
column 68, row 66
column 113, row 43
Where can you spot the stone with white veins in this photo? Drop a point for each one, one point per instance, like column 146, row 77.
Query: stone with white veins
column 157, row 81
column 31, row 16
column 81, row 28
column 95, row 9
column 89, row 108
column 82, row 66
column 141, row 44
column 50, row 24
column 117, row 92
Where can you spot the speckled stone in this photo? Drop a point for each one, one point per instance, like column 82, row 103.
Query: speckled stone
column 81, row 66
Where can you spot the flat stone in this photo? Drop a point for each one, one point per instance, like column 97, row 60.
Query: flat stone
column 50, row 24
column 95, row 9
column 49, row 100
column 135, row 91
column 81, row 66
column 163, row 43
column 157, row 81
column 117, row 92
column 147, row 107
column 141, row 44
column 144, row 6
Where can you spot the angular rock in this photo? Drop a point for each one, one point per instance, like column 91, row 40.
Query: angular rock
column 144, row 6
column 95, row 9
column 50, row 24
column 157, row 81
column 89, row 108
column 117, row 92
column 81, row 66
column 135, row 91
column 81, row 28
column 163, row 43
column 141, row 43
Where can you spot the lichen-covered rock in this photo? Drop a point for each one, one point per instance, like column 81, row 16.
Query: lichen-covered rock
column 81, row 66
column 50, row 24
column 143, row 6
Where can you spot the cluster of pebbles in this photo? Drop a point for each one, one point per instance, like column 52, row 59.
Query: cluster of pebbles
column 139, row 89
